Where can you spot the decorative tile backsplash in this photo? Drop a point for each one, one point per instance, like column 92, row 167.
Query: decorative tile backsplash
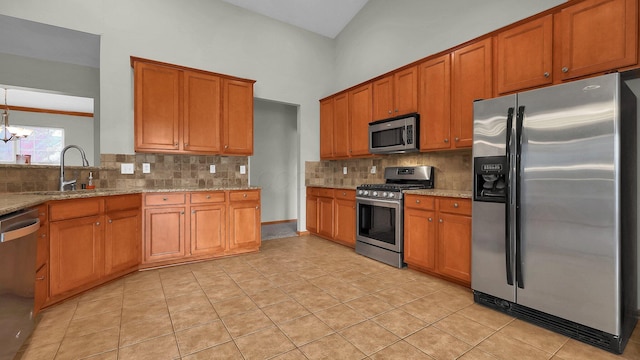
column 452, row 169
column 167, row 171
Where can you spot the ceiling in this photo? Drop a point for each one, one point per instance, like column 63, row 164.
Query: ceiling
column 324, row 17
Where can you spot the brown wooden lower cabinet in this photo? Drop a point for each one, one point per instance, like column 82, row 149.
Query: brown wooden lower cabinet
column 437, row 236
column 92, row 240
column 331, row 214
column 187, row 226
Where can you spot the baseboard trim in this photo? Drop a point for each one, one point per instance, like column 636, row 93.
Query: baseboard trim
column 278, row 222
column 303, row 233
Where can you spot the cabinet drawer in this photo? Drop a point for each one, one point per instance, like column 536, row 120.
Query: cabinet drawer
column 122, row 202
column 455, row 206
column 325, row 192
column 76, row 208
column 313, row 191
column 345, row 194
column 206, row 197
column 419, row 202
column 165, row 199
column 244, row 195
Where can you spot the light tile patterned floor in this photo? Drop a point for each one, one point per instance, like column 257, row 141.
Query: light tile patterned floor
column 299, row 298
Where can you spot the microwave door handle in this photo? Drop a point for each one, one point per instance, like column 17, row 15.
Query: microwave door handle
column 404, row 135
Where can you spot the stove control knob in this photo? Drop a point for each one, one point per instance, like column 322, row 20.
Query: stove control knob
column 360, row 192
column 375, row 193
column 366, row 192
column 385, row 194
column 391, row 195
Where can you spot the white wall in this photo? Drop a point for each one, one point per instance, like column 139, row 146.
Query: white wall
column 273, row 165
column 386, row 35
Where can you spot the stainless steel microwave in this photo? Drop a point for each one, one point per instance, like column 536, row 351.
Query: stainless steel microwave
column 396, row 135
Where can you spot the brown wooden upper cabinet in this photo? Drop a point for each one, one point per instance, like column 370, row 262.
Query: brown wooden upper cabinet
column 524, row 56
column 360, row 100
column 396, row 94
column 326, row 128
column 182, row 110
column 472, row 79
column 596, row 36
column 434, row 103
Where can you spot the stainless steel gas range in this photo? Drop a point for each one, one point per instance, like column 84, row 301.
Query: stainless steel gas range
column 380, row 213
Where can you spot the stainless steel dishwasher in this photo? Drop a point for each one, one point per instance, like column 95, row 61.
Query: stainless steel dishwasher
column 18, row 243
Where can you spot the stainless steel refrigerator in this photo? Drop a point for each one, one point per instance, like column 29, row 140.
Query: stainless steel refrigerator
column 554, row 208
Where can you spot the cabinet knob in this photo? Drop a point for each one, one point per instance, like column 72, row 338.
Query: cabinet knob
column 186, row 144
column 457, row 139
column 344, row 193
column 43, row 236
column 389, row 111
column 244, row 195
column 181, row 212
column 176, row 144
column 396, row 110
column 42, row 214
column 546, row 74
column 208, row 196
column 441, row 221
column 110, row 221
column 417, row 201
column 40, row 278
column 565, row 69
column 226, row 146
column 164, row 199
column 97, row 223
column 193, row 211
column 455, row 205
column 257, row 207
column 446, row 140
column 430, row 219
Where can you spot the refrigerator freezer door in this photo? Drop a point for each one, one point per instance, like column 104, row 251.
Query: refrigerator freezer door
column 569, row 200
column 491, row 249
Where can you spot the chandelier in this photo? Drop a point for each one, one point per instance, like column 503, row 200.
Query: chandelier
column 8, row 133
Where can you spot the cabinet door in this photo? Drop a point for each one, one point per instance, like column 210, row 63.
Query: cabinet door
column 525, row 56
column 164, row 234
column 420, row 238
column 122, row 239
column 596, row 36
column 435, row 103
column 326, row 128
column 325, row 217
column 360, row 117
column 472, row 80
column 345, row 222
column 244, row 225
column 237, row 127
column 76, row 252
column 341, row 126
column 454, row 246
column 156, row 107
column 383, row 98
column 202, row 113
column 312, row 214
column 405, row 89
column 41, row 289
column 208, row 234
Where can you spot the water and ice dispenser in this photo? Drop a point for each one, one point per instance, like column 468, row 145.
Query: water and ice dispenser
column 490, row 178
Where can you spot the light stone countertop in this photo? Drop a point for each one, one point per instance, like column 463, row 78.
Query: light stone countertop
column 341, row 187
column 10, row 202
column 463, row 194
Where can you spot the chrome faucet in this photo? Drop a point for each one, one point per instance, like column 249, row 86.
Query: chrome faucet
column 85, row 162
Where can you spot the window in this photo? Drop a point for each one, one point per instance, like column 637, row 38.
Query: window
column 44, row 145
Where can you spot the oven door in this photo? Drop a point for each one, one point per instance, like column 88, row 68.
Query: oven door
column 379, row 223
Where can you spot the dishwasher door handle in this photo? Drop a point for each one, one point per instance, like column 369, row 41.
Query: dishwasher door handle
column 29, row 229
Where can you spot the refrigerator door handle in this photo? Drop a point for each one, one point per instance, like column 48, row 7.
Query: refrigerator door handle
column 507, row 227
column 519, row 121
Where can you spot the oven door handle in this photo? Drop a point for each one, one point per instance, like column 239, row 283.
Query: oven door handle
column 376, row 201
